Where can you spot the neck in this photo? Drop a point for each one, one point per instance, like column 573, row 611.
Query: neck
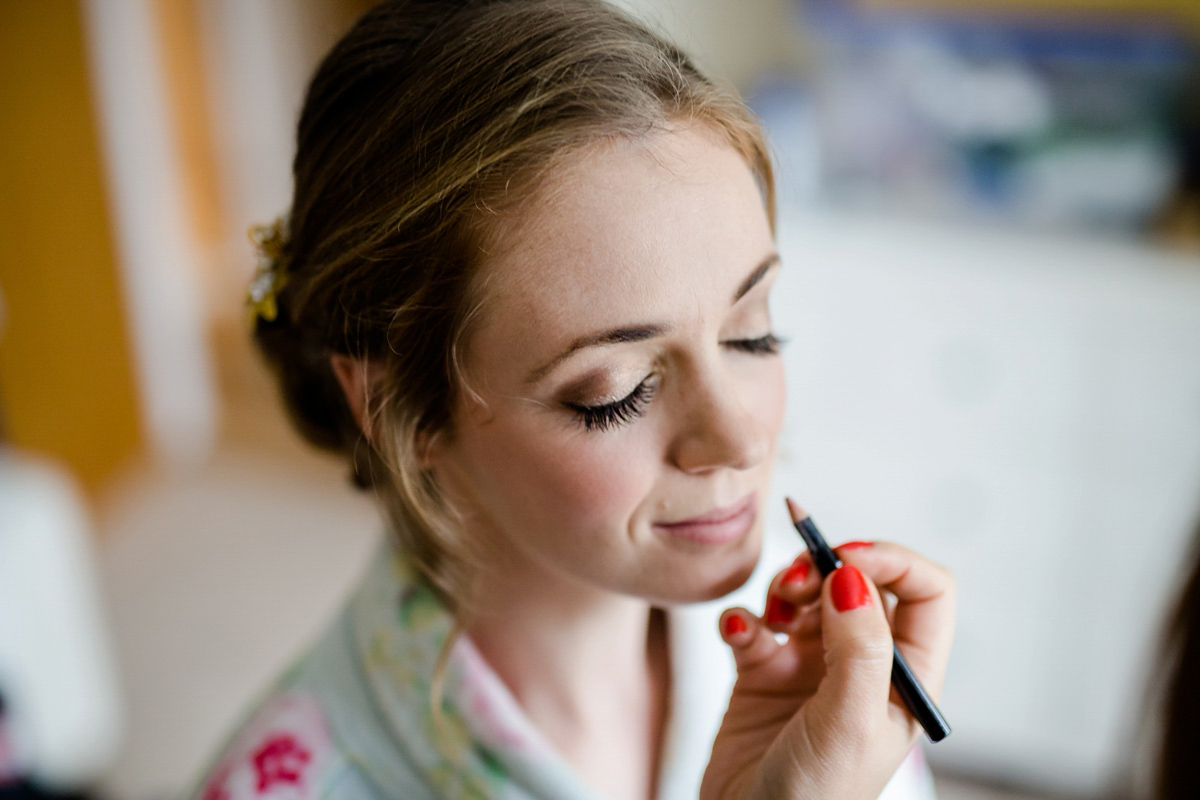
column 561, row 648
column 589, row 668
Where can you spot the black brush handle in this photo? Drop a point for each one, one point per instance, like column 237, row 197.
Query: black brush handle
column 916, row 699
column 912, row 693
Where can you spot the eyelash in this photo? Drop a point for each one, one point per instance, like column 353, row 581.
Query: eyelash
column 762, row 346
column 633, row 405
column 618, row 412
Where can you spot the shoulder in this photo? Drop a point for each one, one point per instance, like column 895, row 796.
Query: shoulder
column 285, row 751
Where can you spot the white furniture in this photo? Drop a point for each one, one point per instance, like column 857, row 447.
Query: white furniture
column 56, row 668
column 1026, row 410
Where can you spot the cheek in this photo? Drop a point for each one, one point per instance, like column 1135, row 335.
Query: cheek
column 766, row 399
column 536, row 481
column 778, row 399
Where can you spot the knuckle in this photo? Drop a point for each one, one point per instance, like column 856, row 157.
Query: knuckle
column 854, row 736
column 865, row 651
column 859, row 731
column 947, row 578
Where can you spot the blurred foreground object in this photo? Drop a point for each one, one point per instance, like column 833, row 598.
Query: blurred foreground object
column 1045, row 118
column 1178, row 773
column 62, row 718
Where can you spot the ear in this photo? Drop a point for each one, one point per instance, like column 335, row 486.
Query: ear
column 357, row 377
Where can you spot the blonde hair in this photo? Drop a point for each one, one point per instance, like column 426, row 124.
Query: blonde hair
column 422, row 126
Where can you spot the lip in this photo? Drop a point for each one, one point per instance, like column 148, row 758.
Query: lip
column 719, row 526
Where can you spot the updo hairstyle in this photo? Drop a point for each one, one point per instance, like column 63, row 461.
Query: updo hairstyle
column 423, row 130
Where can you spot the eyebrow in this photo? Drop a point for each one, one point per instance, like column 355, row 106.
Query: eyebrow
column 634, row 333
column 639, row 333
column 757, row 275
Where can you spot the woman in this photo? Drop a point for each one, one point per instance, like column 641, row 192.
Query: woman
column 524, row 290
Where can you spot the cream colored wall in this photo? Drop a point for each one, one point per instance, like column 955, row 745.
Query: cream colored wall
column 734, row 40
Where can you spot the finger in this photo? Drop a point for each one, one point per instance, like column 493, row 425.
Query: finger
column 751, row 641
column 808, row 620
column 791, row 589
column 923, row 618
column 799, row 583
column 858, row 652
column 908, row 575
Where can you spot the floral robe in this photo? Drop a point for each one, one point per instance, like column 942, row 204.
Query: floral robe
column 353, row 719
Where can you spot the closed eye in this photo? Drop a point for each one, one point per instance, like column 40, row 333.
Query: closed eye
column 618, row 412
column 767, row 345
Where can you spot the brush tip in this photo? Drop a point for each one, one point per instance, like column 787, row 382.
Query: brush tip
column 798, row 513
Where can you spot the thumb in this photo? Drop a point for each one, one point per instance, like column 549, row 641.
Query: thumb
column 752, row 642
column 853, row 697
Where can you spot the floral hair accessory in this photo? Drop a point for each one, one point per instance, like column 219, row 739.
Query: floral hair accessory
column 270, row 276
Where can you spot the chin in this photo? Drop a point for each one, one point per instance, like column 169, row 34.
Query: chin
column 731, row 583
column 714, row 577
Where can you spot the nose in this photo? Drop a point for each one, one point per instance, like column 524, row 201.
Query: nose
column 718, row 431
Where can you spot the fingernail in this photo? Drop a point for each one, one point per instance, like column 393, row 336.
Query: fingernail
column 734, row 625
column 780, row 611
column 854, row 546
column 796, row 573
column 848, row 589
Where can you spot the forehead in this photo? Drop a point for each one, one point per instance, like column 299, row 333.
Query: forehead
column 632, row 231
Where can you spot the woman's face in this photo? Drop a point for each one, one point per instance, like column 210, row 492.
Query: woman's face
column 627, row 391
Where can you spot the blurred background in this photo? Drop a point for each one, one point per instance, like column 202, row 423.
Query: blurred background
column 990, row 217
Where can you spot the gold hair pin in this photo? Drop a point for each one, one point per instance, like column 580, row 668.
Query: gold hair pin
column 270, row 276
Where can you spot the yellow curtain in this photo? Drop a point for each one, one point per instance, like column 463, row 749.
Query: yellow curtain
column 67, row 386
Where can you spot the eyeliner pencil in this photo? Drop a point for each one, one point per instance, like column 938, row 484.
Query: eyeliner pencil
column 915, row 698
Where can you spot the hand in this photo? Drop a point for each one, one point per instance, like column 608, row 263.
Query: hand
column 815, row 717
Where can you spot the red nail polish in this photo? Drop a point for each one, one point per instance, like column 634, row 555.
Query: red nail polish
column 780, row 611
column 848, row 589
column 797, row 573
column 854, row 546
column 734, row 625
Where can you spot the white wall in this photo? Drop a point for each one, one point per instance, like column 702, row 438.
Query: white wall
column 1026, row 410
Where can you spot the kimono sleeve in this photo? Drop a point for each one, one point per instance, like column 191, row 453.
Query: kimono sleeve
column 284, row 752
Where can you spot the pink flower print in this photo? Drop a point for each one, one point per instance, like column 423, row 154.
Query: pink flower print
column 280, row 760
column 283, row 753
